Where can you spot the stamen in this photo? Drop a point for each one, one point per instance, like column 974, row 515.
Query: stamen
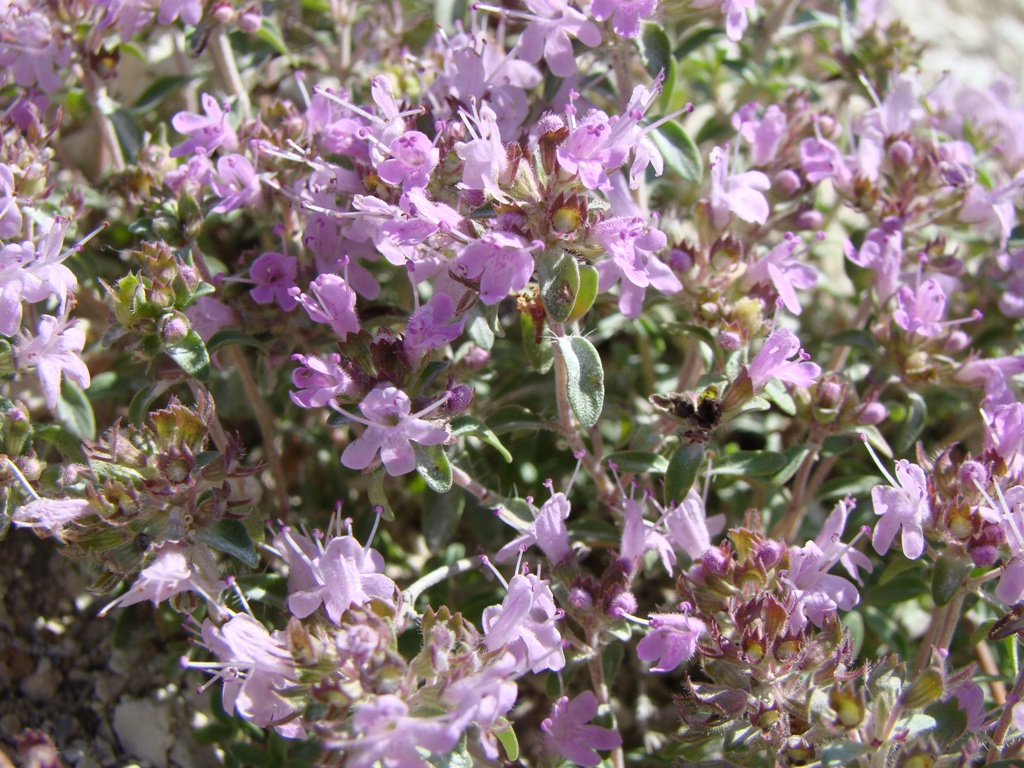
column 487, row 562
column 21, row 478
column 878, row 462
column 378, row 513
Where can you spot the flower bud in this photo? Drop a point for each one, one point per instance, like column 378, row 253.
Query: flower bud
column 957, row 341
column 581, row 599
column 769, row 553
column 973, row 474
column 251, row 19
column 787, row 183
column 730, row 341
column 174, row 329
column 459, row 398
column 901, row 155
column 621, row 604
column 679, row 260
column 848, row 705
column 808, row 220
column 223, row 12
column 872, row 413
column 715, row 562
column 830, row 393
column 928, row 687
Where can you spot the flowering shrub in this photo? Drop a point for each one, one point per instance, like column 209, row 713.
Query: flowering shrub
column 732, row 285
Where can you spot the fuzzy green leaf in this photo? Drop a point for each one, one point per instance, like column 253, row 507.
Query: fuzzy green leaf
column 586, row 378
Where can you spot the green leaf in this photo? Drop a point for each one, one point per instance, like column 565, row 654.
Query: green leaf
column 231, row 536
column 540, row 354
column 191, row 355
column 512, row 418
column 950, row 720
column 913, row 424
column 843, row 753
column 696, row 40
column 639, row 462
column 776, row 392
column 249, row 754
column 227, row 337
column 159, row 90
column 479, row 329
column 441, row 517
column 559, row 276
column 679, row 151
column 75, row 411
column 375, row 493
column 855, row 337
column 587, row 292
column 948, row 574
column 682, row 471
column 750, row 463
column 433, row 465
column 586, row 378
column 655, row 49
column 467, row 425
column 270, row 33
column 509, row 743
column 457, row 758
column 795, row 456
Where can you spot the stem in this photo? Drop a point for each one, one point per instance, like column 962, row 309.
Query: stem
column 224, row 62
column 999, row 734
column 217, row 431
column 987, row 664
column 265, row 421
column 463, row 480
column 940, row 631
column 110, row 147
column 421, row 585
column 601, row 691
column 789, row 526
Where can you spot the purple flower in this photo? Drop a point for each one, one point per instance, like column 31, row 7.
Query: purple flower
column 737, row 193
column 763, row 133
column 485, row 161
column 547, row 531
column 236, row 182
column 625, row 15
column 735, row 12
column 31, row 274
column 1004, row 433
column 330, row 301
column 882, row 251
column 342, row 575
column 208, row 316
column 921, row 311
column 55, row 349
column 906, row 507
column 205, row 134
column 689, row 527
column 10, row 213
column 629, row 242
column 779, row 267
column 526, row 623
column 429, row 327
column 773, row 362
column 483, row 698
column 821, row 159
column 274, row 275
column 1010, row 588
column 391, row 430
column 638, row 538
column 547, row 35
column 33, row 51
column 50, row 515
column 671, row 640
column 169, row 574
column 256, row 667
column 501, row 261
column 385, row 733
column 413, row 157
column 592, row 149
column 321, row 381
column 567, row 731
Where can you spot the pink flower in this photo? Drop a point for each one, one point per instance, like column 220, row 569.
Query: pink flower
column 256, row 667
column 689, row 527
column 526, row 623
column 330, row 301
column 320, row 381
column 391, row 430
column 341, row 575
column 906, row 507
column 737, row 193
column 51, row 515
column 10, row 213
column 547, row 35
column 671, row 640
column 55, row 350
column 547, row 531
column 413, row 157
column 274, row 275
column 782, row 270
column 385, row 733
column 204, row 134
column 567, row 731
column 773, row 362
column 625, row 15
column 236, row 182
column 630, row 244
column 501, row 261
column 429, row 327
column 169, row 574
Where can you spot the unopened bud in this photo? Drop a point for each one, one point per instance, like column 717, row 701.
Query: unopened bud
column 830, row 393
column 174, row 329
column 223, row 12
column 848, row 706
column 581, row 599
column 621, row 604
column 928, row 687
column 984, row 555
column 715, row 562
column 901, row 155
column 787, row 183
column 730, row 341
column 251, row 19
column 872, row 413
column 973, row 474
column 769, row 553
column 459, row 398
column 808, row 220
